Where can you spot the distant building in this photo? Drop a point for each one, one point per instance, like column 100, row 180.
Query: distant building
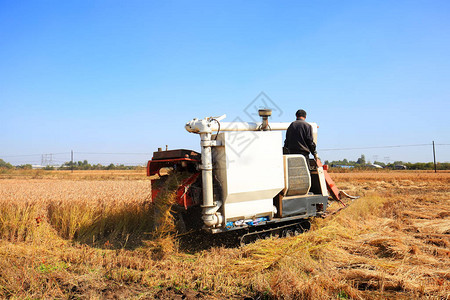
column 375, row 166
column 400, row 167
column 37, row 167
column 342, row 166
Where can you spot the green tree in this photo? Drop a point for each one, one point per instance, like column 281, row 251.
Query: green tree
column 361, row 160
column 5, row 165
column 25, row 167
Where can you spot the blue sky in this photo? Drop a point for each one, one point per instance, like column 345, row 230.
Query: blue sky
column 124, row 76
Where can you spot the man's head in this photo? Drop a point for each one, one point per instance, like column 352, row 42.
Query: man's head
column 300, row 114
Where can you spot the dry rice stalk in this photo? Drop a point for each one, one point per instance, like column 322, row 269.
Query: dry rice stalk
column 163, row 219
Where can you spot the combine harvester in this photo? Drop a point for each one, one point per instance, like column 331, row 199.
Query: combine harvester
column 241, row 182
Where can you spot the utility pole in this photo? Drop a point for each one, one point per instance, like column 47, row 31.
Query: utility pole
column 434, row 157
column 71, row 160
column 47, row 159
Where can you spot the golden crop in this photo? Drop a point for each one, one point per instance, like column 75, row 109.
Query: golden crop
column 75, row 209
column 86, row 237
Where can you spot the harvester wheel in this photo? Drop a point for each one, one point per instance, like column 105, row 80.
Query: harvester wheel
column 180, row 225
column 287, row 233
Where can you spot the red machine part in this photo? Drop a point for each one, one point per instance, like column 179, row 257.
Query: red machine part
column 183, row 198
column 331, row 186
column 153, row 166
column 182, row 193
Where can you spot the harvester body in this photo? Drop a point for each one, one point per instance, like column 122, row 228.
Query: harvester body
column 241, row 179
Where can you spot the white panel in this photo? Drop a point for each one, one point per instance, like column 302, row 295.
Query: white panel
column 249, row 209
column 323, row 183
column 250, row 168
column 314, row 131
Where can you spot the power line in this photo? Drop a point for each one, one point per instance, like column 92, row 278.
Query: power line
column 40, row 154
column 375, row 147
column 112, row 153
column 85, row 153
column 149, row 154
column 107, row 163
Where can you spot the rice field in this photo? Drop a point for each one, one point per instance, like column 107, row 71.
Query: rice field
column 91, row 236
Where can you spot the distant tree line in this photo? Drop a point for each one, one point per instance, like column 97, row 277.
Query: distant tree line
column 80, row 165
column 415, row 166
column 84, row 165
column 361, row 163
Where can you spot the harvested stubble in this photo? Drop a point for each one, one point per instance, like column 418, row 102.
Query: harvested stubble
column 392, row 243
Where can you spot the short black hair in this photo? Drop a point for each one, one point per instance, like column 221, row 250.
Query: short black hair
column 300, row 113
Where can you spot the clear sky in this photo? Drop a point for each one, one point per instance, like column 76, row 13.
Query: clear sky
column 125, row 76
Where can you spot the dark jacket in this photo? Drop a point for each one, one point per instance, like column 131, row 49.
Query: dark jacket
column 299, row 138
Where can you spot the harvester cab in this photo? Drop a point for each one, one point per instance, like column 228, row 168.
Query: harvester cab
column 241, row 181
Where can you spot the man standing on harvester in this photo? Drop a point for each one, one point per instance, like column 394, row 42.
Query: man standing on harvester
column 299, row 137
